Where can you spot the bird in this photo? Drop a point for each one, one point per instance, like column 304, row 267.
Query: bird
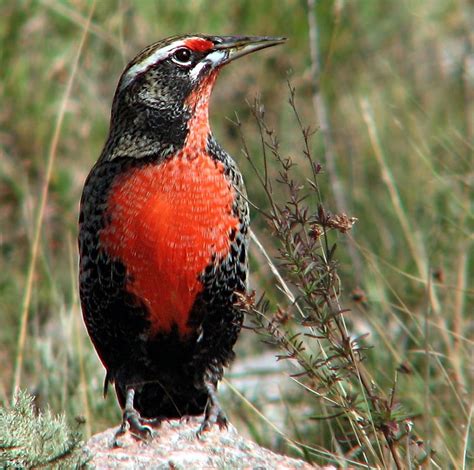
column 163, row 236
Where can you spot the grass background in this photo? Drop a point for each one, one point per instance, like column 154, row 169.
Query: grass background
column 396, row 81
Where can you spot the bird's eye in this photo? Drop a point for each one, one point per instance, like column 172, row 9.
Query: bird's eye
column 182, row 56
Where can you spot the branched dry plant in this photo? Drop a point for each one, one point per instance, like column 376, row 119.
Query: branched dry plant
column 311, row 329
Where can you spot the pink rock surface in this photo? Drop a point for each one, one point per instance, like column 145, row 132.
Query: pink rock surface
column 176, row 446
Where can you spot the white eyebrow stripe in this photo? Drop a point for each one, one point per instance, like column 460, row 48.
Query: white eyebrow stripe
column 139, row 68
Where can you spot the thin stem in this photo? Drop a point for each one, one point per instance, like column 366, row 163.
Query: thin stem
column 322, row 116
column 25, row 306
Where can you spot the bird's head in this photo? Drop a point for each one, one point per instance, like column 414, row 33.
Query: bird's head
column 169, row 83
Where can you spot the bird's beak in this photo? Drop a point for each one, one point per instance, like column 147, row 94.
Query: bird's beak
column 238, row 46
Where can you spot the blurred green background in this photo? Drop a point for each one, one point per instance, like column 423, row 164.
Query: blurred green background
column 396, row 84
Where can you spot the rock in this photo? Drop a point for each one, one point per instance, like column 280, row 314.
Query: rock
column 176, row 446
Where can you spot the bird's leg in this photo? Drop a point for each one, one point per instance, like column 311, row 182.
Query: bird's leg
column 132, row 421
column 214, row 413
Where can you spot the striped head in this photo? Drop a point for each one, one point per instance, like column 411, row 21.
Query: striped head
column 165, row 86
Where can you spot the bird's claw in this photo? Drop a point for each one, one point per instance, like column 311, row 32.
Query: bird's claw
column 132, row 422
column 215, row 416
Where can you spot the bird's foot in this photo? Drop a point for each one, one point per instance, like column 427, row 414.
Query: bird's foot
column 132, row 422
column 217, row 417
column 214, row 413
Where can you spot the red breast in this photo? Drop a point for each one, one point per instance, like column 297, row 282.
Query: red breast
column 169, row 220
